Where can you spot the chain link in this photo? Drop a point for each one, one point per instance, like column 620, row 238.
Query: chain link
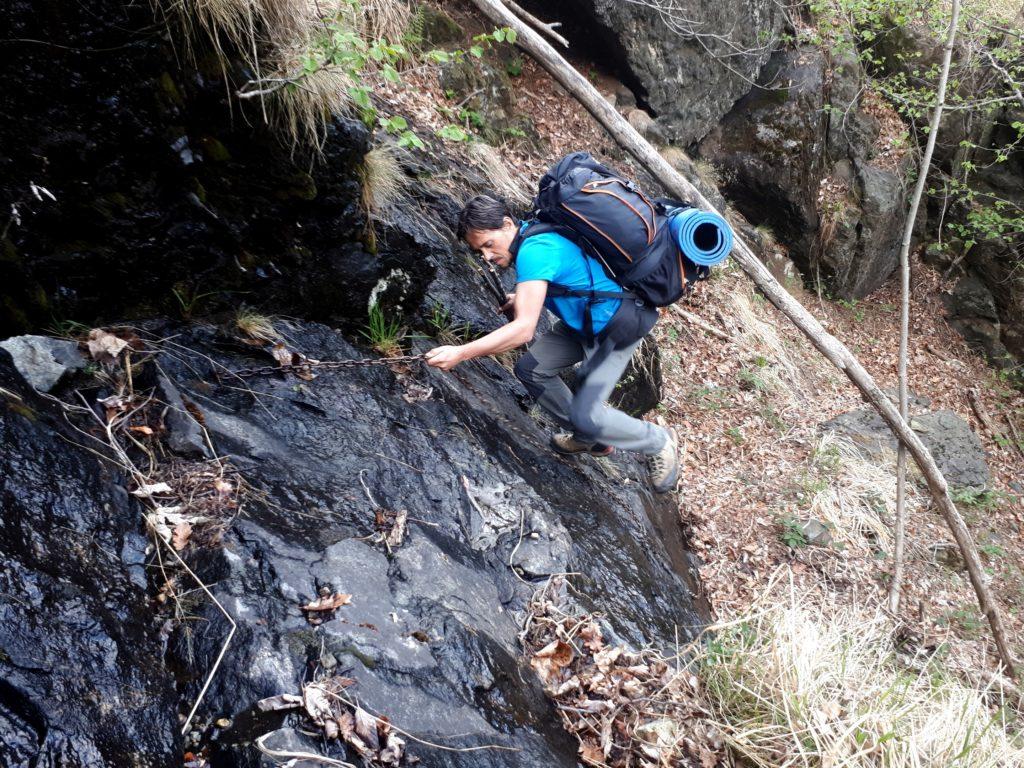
column 308, row 366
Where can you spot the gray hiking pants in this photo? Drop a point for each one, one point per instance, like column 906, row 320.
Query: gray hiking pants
column 604, row 361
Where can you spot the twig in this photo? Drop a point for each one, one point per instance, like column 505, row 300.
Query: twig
column 540, row 26
column 693, row 319
column 278, row 754
column 986, row 421
column 1016, row 435
column 367, row 490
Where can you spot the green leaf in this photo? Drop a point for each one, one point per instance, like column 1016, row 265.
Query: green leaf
column 360, row 96
column 499, row 35
column 410, row 139
column 453, row 133
column 391, row 74
column 477, row 51
column 438, row 56
column 511, row 35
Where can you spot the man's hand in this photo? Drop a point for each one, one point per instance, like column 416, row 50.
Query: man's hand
column 446, row 357
column 508, row 308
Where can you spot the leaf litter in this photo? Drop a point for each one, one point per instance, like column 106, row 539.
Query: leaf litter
column 626, row 707
column 327, row 706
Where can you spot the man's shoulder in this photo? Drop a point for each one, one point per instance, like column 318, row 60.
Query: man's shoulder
column 549, row 242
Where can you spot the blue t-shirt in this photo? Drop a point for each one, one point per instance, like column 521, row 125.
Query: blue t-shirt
column 553, row 258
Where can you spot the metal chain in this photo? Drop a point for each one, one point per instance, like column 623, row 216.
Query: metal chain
column 327, row 365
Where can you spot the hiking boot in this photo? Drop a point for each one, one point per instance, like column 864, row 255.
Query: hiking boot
column 663, row 466
column 567, row 445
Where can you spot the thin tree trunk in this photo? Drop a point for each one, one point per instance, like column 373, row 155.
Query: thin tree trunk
column 828, row 345
column 908, row 231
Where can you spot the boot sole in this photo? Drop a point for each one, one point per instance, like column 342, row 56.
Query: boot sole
column 606, row 451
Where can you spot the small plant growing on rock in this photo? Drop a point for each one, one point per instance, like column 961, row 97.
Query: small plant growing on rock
column 384, row 334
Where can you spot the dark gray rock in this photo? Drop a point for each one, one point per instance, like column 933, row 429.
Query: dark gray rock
column 42, row 360
column 185, row 433
column 81, row 659
column 485, row 90
column 431, row 631
column 798, row 154
column 816, row 532
column 956, row 449
column 972, row 311
column 688, row 73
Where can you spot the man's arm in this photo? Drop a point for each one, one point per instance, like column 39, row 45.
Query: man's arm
column 528, row 305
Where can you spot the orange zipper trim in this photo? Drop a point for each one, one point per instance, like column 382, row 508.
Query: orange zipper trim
column 597, row 229
column 647, row 226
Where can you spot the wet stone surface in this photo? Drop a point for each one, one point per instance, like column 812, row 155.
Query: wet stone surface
column 431, row 632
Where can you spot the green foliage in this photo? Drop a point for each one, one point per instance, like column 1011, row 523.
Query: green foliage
column 453, row 133
column 908, row 84
column 384, row 334
column 983, row 500
column 736, row 435
column 790, row 533
column 750, row 379
column 514, row 68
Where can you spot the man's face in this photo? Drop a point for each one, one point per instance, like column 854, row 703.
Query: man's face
column 493, row 244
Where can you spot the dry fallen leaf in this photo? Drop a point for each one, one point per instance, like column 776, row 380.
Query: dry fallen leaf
column 316, row 703
column 104, row 346
column 145, row 491
column 143, row 430
column 392, row 753
column 279, row 702
column 396, row 535
column 180, row 535
column 328, row 602
column 366, row 728
column 551, row 659
column 591, row 753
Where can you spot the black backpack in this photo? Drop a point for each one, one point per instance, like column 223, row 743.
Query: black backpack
column 609, row 218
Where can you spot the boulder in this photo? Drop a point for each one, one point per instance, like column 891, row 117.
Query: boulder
column 799, row 153
column 687, row 73
column 42, row 360
column 957, row 450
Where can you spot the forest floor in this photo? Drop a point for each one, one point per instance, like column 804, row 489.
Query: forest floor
column 749, row 412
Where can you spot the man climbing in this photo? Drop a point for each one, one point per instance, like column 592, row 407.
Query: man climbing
column 601, row 331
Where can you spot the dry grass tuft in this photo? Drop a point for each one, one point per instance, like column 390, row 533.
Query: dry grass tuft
column 386, row 18
column 797, row 685
column 384, row 181
column 510, row 184
column 256, row 325
column 273, row 38
column 782, row 374
column 860, row 495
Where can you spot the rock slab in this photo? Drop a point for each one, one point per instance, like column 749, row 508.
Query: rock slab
column 42, row 360
column 957, row 450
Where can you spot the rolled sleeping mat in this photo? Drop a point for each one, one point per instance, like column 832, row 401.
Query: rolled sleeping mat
column 705, row 238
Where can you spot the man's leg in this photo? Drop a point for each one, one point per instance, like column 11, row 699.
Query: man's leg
column 538, row 369
column 594, row 421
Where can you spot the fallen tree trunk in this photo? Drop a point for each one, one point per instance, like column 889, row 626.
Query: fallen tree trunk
column 836, row 352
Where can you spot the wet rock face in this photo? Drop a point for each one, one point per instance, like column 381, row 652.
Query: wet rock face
column 668, row 61
column 82, row 676
column 139, row 190
column 431, row 632
column 798, row 155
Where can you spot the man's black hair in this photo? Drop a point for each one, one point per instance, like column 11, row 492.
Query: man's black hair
column 480, row 213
